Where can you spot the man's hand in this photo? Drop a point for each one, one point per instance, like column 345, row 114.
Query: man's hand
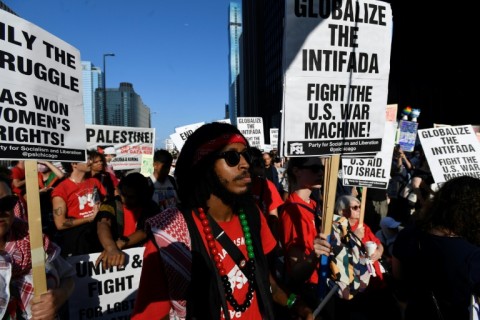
column 321, row 245
column 45, row 306
column 111, row 257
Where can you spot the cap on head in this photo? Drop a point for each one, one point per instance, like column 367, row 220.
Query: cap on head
column 109, row 150
column 389, row 223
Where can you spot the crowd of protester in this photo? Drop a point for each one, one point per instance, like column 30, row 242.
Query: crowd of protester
column 88, row 208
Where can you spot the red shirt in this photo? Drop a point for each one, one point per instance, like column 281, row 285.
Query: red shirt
column 153, row 302
column 17, row 173
column 79, row 198
column 266, row 189
column 297, row 227
column 130, row 219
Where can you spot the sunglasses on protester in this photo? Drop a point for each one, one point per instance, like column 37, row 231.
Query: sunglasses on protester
column 7, row 203
column 232, row 157
column 355, row 208
column 313, row 167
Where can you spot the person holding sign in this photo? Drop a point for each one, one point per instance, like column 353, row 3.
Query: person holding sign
column 299, row 230
column 16, row 284
column 121, row 221
column 207, row 259
column 377, row 301
column 76, row 201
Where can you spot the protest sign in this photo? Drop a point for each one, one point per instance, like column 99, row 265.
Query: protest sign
column 274, row 138
column 252, row 129
column 336, row 64
column 407, row 135
column 182, row 133
column 451, row 152
column 41, row 106
column 375, row 171
column 108, row 294
column 130, row 144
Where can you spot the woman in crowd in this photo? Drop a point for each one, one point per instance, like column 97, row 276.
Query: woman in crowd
column 99, row 171
column 377, row 301
column 438, row 259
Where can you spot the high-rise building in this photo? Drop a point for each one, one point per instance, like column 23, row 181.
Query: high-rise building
column 91, row 80
column 124, row 107
column 261, row 67
column 234, row 38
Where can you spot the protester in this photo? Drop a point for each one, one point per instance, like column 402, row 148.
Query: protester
column 264, row 191
column 376, row 207
column 299, row 230
column 208, row 275
column 17, row 299
column 377, row 301
column 271, row 171
column 110, row 153
column 49, row 176
column 120, row 223
column 76, row 201
column 18, row 178
column 400, row 175
column 163, row 184
column 389, row 229
column 99, row 171
column 438, row 258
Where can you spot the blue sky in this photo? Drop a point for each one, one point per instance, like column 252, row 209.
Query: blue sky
column 175, row 53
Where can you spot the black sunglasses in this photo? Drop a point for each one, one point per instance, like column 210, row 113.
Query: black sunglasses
column 7, row 203
column 313, row 167
column 232, row 157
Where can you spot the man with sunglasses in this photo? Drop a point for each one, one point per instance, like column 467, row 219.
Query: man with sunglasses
column 206, row 259
column 16, row 284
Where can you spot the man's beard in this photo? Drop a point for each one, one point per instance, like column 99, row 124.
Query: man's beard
column 235, row 201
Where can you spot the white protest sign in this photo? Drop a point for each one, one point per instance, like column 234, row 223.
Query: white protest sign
column 451, row 152
column 41, row 94
column 130, row 144
column 252, row 129
column 190, row 127
column 371, row 172
column 336, row 64
column 274, row 138
column 108, row 294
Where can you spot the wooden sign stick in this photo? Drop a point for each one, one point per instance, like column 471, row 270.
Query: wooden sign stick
column 362, row 206
column 35, row 228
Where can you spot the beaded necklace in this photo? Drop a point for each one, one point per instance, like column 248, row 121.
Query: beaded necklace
column 247, row 267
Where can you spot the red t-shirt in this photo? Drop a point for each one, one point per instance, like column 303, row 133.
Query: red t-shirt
column 152, row 301
column 297, row 227
column 130, row 219
column 266, row 189
column 78, row 197
column 17, row 173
